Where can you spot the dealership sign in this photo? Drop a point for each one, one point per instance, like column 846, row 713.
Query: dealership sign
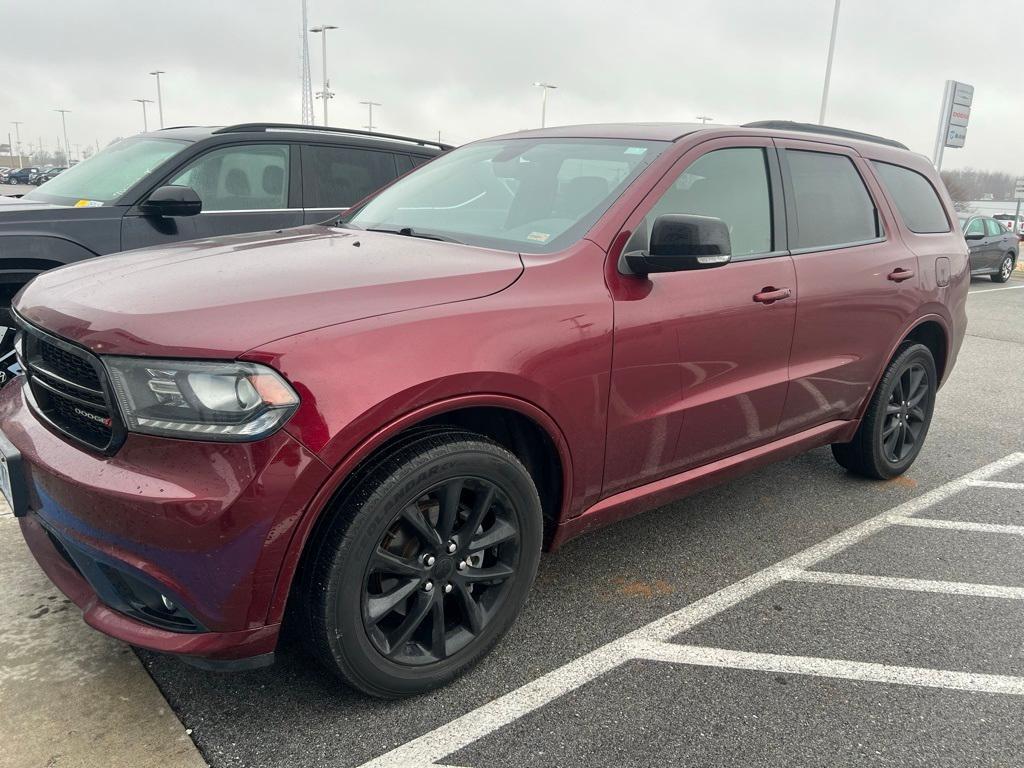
column 957, row 100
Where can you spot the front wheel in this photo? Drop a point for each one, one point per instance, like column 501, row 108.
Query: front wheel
column 9, row 366
column 894, row 427
column 1005, row 270
column 425, row 565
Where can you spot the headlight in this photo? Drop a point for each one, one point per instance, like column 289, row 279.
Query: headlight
column 200, row 400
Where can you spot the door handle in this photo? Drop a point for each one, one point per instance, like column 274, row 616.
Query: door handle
column 770, row 295
column 900, row 274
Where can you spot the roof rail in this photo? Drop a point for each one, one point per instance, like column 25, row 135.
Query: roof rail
column 789, row 125
column 255, row 127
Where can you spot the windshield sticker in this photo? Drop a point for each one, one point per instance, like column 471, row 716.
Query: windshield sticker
column 89, row 204
column 538, row 237
column 635, row 150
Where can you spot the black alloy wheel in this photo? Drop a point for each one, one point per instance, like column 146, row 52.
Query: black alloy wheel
column 894, row 426
column 441, row 571
column 423, row 564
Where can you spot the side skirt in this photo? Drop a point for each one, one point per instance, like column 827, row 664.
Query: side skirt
column 660, row 492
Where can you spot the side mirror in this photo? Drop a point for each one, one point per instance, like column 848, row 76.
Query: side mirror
column 975, row 236
column 682, row 241
column 172, row 201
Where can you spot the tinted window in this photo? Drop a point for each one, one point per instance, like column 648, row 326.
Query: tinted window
column 915, row 198
column 833, row 206
column 994, row 228
column 404, row 163
column 246, row 178
column 337, row 177
column 728, row 184
column 976, row 227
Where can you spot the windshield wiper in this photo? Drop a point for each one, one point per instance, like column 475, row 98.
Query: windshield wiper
column 410, row 232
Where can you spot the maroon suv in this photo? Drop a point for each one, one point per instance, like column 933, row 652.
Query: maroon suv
column 379, row 423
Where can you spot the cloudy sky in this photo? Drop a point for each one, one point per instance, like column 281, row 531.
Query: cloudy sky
column 465, row 67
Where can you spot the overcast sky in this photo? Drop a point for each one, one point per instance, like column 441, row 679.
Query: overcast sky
column 465, row 67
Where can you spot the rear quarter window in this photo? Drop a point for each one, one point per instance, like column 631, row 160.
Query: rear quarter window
column 915, row 197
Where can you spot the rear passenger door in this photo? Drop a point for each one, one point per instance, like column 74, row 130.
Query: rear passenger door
column 858, row 282
column 244, row 188
column 336, row 177
column 998, row 243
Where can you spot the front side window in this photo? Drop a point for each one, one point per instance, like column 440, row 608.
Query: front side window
column 728, row 184
column 994, row 228
column 975, row 227
column 833, row 206
column 251, row 177
column 107, row 175
column 337, row 177
column 915, row 197
column 529, row 195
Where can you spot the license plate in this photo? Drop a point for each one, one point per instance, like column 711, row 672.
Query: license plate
column 12, row 480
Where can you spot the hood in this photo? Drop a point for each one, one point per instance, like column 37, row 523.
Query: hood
column 223, row 296
column 10, row 204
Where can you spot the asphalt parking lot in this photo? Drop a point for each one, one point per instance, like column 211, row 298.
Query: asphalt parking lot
column 798, row 616
column 15, row 189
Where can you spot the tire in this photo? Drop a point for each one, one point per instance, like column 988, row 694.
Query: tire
column 369, row 614
column 894, row 427
column 1005, row 270
column 9, row 366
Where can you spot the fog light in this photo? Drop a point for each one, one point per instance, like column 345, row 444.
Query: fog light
column 171, row 607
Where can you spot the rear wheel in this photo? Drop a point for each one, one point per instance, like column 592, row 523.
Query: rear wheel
column 896, row 423
column 425, row 565
column 1005, row 270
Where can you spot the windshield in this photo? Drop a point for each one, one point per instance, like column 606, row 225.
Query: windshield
column 104, row 177
column 532, row 195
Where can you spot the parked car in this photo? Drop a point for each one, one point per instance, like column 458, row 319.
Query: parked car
column 994, row 251
column 378, row 423
column 21, row 175
column 4, row 170
column 44, row 176
column 186, row 183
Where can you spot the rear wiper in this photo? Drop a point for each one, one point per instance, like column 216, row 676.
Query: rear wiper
column 410, row 232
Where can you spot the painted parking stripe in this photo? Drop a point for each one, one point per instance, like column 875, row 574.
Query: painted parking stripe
column 910, row 585
column 430, row 748
column 997, row 484
column 833, row 668
column 960, row 525
column 993, row 290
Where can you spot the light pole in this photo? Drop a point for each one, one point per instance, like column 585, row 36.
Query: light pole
column 17, row 137
column 145, row 122
column 704, row 119
column 828, row 64
column 545, row 87
column 64, row 125
column 370, row 105
column 325, row 94
column 159, row 96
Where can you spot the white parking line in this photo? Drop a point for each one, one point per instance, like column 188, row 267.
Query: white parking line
column 428, row 749
column 961, row 525
column 993, row 290
column 997, row 484
column 834, row 668
column 910, row 585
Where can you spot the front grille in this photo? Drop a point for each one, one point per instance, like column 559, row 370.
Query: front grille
column 69, row 390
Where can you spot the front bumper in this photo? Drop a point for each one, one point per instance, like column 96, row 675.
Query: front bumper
column 205, row 525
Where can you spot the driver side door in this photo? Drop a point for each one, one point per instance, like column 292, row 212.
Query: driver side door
column 701, row 357
column 244, row 188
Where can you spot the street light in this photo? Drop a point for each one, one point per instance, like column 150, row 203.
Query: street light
column 370, row 105
column 828, row 64
column 325, row 94
column 545, row 87
column 704, row 119
column 145, row 122
column 64, row 124
column 17, row 136
column 159, row 96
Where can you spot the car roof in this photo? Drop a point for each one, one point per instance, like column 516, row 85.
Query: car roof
column 295, row 132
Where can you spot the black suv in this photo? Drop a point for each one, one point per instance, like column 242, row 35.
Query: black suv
column 192, row 182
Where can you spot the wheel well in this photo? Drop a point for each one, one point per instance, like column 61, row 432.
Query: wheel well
column 932, row 335
column 530, row 443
